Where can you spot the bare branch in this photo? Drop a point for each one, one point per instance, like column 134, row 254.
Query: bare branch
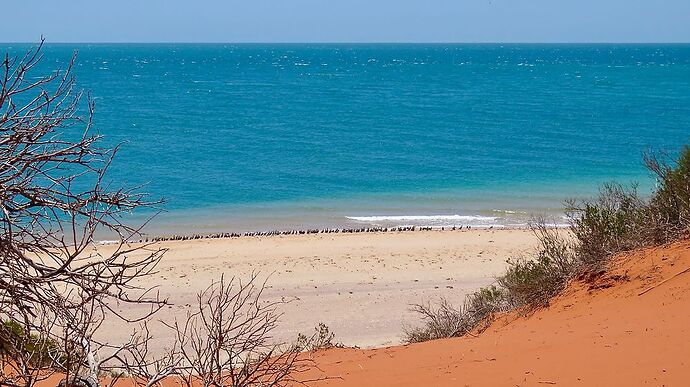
column 56, row 287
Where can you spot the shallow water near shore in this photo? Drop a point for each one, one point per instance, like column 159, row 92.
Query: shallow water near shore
column 262, row 137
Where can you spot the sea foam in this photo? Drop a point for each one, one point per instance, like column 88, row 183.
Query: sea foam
column 423, row 218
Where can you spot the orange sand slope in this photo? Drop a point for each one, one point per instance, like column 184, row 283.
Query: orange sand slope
column 630, row 328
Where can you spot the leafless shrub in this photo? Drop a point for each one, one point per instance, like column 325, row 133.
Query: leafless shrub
column 55, row 285
column 445, row 321
column 133, row 361
column 441, row 322
column 50, row 343
column 227, row 340
column 57, row 288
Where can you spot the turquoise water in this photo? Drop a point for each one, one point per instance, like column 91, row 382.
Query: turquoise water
column 245, row 137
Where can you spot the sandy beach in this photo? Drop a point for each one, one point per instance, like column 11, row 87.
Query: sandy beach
column 360, row 285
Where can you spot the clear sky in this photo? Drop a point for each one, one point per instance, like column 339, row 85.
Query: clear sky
column 346, row 21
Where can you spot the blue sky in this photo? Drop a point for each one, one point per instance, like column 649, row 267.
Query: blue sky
column 346, row 21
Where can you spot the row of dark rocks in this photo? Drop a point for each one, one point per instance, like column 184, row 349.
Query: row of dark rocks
column 296, row 232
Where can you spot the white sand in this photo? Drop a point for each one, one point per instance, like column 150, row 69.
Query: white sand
column 360, row 285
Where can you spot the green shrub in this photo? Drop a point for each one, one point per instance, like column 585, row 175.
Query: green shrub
column 531, row 283
column 669, row 206
column 38, row 351
column 617, row 220
column 486, row 301
column 611, row 223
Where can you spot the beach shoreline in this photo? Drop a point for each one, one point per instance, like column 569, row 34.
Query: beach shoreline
column 178, row 237
column 361, row 285
column 289, row 220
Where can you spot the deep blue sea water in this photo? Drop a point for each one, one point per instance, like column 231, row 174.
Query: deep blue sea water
column 244, row 137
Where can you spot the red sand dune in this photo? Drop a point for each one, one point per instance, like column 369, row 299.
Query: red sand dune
column 630, row 328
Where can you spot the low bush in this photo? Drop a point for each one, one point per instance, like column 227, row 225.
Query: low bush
column 322, row 338
column 613, row 222
column 531, row 283
column 441, row 322
column 486, row 301
column 669, row 207
column 445, row 321
column 38, row 351
column 618, row 219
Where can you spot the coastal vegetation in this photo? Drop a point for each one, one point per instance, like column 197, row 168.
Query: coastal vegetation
column 58, row 289
column 619, row 219
column 321, row 339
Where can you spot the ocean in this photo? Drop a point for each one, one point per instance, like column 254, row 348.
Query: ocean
column 263, row 137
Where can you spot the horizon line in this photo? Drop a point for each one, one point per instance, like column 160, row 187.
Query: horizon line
column 349, row 42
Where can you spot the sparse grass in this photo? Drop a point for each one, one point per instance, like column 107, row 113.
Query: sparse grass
column 617, row 220
column 322, row 338
column 446, row 321
column 441, row 322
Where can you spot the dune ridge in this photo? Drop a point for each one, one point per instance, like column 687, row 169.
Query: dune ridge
column 627, row 326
